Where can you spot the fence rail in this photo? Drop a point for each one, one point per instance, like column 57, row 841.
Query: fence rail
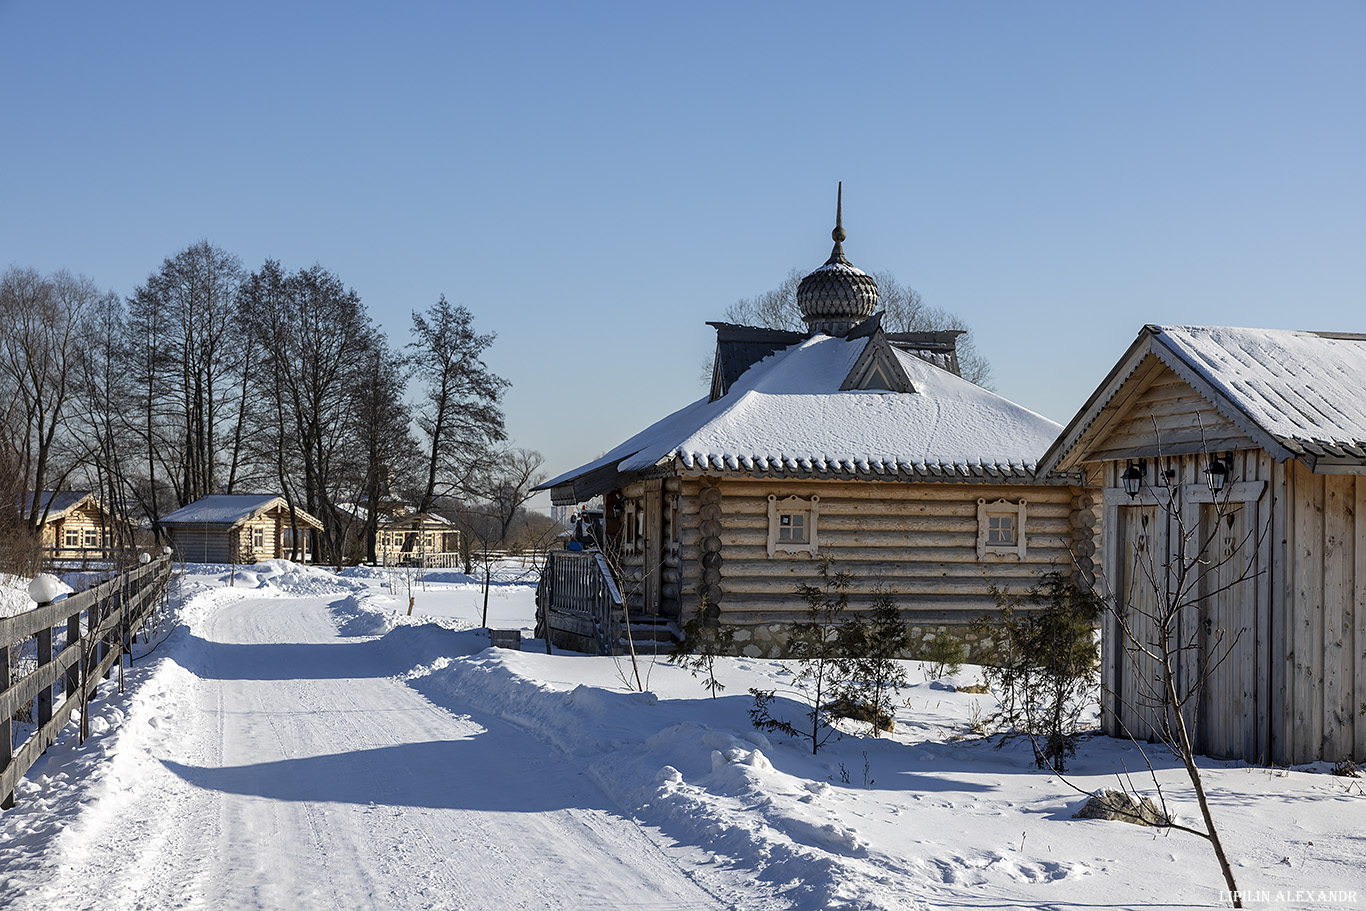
column 112, row 612
column 578, row 599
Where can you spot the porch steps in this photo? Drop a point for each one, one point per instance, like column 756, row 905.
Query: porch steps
column 653, row 635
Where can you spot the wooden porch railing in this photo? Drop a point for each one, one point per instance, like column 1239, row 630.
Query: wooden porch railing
column 99, row 626
column 440, row 560
column 578, row 598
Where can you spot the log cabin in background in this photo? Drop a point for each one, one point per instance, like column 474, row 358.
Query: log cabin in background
column 239, row 528
column 847, row 442
column 1275, row 622
column 74, row 525
column 417, row 538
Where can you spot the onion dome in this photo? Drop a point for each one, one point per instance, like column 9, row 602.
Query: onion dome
column 837, row 296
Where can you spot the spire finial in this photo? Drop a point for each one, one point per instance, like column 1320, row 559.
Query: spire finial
column 838, row 234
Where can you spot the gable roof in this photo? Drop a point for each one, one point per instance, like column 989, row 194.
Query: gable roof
column 231, row 510
column 1296, row 394
column 57, row 503
column 788, row 416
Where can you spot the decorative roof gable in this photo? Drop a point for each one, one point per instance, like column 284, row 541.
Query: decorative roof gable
column 878, row 369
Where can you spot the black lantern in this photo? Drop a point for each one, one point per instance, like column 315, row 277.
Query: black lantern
column 1133, row 477
column 1216, row 475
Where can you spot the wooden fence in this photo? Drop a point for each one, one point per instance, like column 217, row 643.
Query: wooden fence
column 578, row 603
column 98, row 624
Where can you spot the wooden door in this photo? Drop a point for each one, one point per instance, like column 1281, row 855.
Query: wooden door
column 1135, row 636
column 1228, row 669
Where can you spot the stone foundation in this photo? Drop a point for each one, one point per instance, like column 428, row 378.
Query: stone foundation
column 770, row 640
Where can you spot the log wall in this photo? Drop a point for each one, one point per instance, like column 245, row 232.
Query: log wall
column 919, row 540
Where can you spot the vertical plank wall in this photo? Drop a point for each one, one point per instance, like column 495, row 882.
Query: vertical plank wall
column 1326, row 606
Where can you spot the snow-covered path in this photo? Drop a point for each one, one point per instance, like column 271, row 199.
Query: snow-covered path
column 286, row 768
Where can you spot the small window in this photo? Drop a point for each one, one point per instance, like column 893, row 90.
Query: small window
column 92, row 537
column 632, row 527
column 73, row 537
column 1000, row 529
column 792, row 525
column 258, row 537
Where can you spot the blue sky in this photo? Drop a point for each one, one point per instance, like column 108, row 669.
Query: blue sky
column 595, row 181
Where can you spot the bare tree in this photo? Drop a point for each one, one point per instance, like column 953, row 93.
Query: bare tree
column 460, row 417
column 484, row 523
column 191, row 304
column 315, row 342
column 387, row 449
column 103, row 416
column 41, row 321
column 1170, row 658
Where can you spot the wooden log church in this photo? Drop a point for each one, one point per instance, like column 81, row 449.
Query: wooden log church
column 845, row 441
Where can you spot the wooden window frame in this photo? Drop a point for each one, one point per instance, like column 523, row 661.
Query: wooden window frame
column 809, row 510
column 999, row 509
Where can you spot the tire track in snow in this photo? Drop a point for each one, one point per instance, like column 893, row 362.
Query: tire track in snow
column 292, row 770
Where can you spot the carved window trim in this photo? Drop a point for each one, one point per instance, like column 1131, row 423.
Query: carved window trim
column 1009, row 517
column 795, row 509
column 632, row 525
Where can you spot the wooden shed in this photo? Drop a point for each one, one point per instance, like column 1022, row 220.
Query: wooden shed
column 845, row 441
column 1273, row 620
column 236, row 528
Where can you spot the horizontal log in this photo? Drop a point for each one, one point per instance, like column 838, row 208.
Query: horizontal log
column 755, row 512
column 733, row 588
column 886, row 490
column 890, row 571
column 839, row 545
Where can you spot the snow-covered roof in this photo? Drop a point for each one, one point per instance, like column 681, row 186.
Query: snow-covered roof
column 55, row 502
column 788, row 415
column 1304, row 388
column 1296, row 393
column 230, row 509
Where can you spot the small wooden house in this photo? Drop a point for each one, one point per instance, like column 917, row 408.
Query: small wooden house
column 1244, row 453
column 416, row 537
column 236, row 528
column 845, row 441
column 74, row 524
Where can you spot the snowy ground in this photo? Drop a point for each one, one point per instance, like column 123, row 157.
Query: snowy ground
column 297, row 741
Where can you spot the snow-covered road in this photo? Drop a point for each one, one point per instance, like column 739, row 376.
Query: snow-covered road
column 286, row 767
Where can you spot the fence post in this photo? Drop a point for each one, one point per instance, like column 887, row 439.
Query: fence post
column 6, row 729
column 73, row 640
column 44, row 700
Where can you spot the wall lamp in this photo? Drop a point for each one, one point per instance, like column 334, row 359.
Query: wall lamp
column 1217, row 474
column 1133, row 477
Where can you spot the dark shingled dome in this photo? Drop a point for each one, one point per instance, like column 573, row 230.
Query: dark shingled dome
column 837, row 296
